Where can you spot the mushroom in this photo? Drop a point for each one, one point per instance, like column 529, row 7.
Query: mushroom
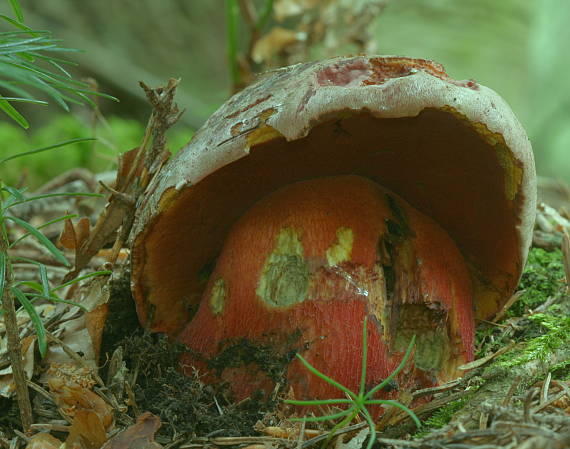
column 329, row 192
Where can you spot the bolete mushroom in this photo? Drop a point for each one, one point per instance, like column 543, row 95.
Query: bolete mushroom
column 329, row 192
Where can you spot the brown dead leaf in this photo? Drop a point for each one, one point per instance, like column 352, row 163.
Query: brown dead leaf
column 71, row 387
column 67, row 236
column 87, row 431
column 275, row 42
column 283, row 9
column 73, row 235
column 95, row 323
column 82, row 332
column 43, row 441
column 138, row 436
column 112, row 216
column 7, row 385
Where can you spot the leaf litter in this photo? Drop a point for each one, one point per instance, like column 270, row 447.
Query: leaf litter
column 107, row 383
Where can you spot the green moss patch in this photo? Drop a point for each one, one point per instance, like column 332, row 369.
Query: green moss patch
column 543, row 278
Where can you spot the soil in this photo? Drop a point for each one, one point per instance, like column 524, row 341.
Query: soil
column 185, row 405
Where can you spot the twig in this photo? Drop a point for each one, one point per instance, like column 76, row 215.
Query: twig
column 527, row 405
column 511, row 391
column 324, row 436
column 545, row 388
column 301, row 435
column 501, row 313
column 51, row 427
column 438, row 389
column 46, row 394
column 12, row 334
column 566, row 256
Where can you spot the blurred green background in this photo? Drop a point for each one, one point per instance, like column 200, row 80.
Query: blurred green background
column 517, row 47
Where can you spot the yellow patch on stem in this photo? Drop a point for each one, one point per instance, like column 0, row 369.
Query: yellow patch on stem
column 284, row 280
column 218, row 296
column 340, row 251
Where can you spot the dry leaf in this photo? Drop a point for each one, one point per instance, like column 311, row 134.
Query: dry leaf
column 283, row 9
column 43, row 441
column 83, row 334
column 73, row 235
column 87, row 431
column 72, row 392
column 7, row 386
column 346, row 442
column 112, row 216
column 138, row 436
column 275, row 42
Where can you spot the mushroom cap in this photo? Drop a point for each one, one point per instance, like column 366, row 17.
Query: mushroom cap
column 452, row 149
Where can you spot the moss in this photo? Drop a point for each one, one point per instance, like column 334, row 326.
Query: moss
column 542, row 278
column 561, row 371
column 441, row 417
column 554, row 333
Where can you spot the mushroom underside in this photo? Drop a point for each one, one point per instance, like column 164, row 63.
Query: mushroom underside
column 464, row 177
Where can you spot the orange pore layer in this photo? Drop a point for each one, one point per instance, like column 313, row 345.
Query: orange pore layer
column 301, row 270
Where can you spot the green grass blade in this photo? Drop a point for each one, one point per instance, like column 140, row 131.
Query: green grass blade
column 11, row 112
column 56, row 62
column 15, row 89
column 25, row 28
column 44, row 279
column 232, row 27
column 15, row 4
column 36, row 286
column 50, row 147
column 17, row 45
column 20, row 42
column 3, row 265
column 15, row 193
column 55, row 220
column 340, row 425
column 326, row 378
column 395, row 372
column 265, row 15
column 318, row 401
column 41, row 238
column 55, row 195
column 36, row 320
column 25, row 100
column 372, row 426
column 326, row 417
column 25, row 260
column 54, row 298
column 81, row 278
column 23, row 50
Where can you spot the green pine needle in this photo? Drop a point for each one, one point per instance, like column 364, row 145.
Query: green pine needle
column 360, row 401
column 27, row 58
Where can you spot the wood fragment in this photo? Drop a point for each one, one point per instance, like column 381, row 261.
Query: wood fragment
column 545, row 387
column 482, row 361
column 566, row 256
column 501, row 313
column 13, row 337
column 512, row 388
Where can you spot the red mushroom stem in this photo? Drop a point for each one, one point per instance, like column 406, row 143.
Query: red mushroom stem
column 305, row 265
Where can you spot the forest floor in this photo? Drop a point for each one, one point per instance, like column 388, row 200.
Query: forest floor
column 515, row 395
column 104, row 382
